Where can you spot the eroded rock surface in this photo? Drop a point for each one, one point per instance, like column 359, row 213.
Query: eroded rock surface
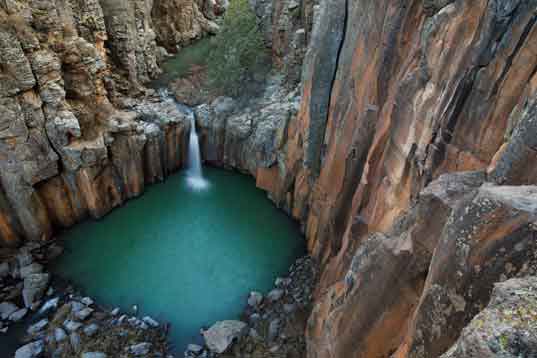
column 73, row 141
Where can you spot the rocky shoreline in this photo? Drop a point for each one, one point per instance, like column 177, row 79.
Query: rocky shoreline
column 62, row 322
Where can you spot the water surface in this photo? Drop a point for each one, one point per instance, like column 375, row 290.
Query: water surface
column 184, row 256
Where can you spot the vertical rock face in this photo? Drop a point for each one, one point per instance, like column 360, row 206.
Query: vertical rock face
column 414, row 133
column 72, row 144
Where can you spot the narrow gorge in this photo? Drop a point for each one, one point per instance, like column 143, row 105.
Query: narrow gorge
column 398, row 137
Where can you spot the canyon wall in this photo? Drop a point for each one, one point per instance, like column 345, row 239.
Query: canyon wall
column 401, row 134
column 79, row 132
column 408, row 155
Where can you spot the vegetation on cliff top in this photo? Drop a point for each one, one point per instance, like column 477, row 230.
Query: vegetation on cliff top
column 238, row 51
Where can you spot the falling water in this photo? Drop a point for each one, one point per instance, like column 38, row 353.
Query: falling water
column 195, row 177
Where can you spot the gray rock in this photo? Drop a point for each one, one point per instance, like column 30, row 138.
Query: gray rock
column 24, row 258
column 4, row 269
column 289, row 307
column 115, row 311
column 35, row 286
column 59, row 335
column 77, row 306
column 87, row 301
column 194, row 348
column 31, row 350
column 140, row 349
column 50, row 305
column 275, row 294
column 274, row 329
column 30, row 269
column 74, row 339
column 93, row 355
column 71, row 326
column 37, row 327
column 83, row 313
column 222, row 334
column 18, row 315
column 7, row 309
column 150, row 321
column 91, row 329
column 255, row 299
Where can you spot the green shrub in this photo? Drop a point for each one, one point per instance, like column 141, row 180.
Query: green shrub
column 238, row 51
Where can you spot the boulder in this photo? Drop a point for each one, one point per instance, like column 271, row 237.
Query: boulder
column 91, row 329
column 18, row 315
column 140, row 349
column 222, row 334
column 59, row 335
column 275, row 294
column 7, row 309
column 72, row 326
column 31, row 350
column 35, row 286
column 255, row 299
column 93, row 355
column 83, row 313
column 37, row 327
column 34, row 267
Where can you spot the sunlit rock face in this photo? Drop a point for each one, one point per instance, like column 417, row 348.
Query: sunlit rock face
column 72, row 141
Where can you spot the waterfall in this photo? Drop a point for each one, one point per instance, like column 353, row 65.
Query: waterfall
column 195, row 177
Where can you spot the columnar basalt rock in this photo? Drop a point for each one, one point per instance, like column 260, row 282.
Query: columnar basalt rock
column 67, row 151
column 395, row 95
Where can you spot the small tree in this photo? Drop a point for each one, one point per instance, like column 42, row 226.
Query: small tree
column 238, row 50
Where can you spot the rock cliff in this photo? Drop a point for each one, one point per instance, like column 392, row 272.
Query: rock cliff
column 79, row 133
column 408, row 151
column 408, row 154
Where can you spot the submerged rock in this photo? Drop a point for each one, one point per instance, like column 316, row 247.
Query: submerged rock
column 222, row 334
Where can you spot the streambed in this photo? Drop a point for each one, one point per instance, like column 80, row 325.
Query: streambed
column 183, row 255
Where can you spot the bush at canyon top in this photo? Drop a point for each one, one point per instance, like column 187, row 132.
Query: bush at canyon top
column 238, row 49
